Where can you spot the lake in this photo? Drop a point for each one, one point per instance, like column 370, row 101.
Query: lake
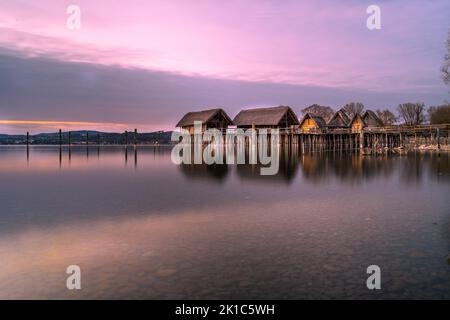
column 142, row 227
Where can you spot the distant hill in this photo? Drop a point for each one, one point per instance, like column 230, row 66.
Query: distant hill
column 94, row 137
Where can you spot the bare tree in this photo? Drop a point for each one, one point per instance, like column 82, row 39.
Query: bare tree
column 353, row 108
column 439, row 114
column 412, row 113
column 386, row 116
column 445, row 69
column 323, row 111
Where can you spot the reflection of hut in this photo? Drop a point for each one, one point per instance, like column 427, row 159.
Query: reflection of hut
column 214, row 172
column 371, row 119
column 339, row 120
column 288, row 167
column 274, row 117
column 213, row 118
column 311, row 123
column 357, row 123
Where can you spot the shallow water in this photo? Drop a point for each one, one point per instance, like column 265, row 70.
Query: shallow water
column 140, row 226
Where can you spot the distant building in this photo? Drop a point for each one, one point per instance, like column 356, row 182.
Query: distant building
column 273, row 117
column 371, row 119
column 312, row 123
column 339, row 120
column 213, row 118
column 357, row 123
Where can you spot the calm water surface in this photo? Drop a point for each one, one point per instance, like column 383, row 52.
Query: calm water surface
column 141, row 227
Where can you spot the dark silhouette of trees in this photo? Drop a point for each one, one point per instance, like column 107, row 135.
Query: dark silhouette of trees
column 445, row 69
column 317, row 110
column 386, row 116
column 353, row 108
column 439, row 114
column 412, row 113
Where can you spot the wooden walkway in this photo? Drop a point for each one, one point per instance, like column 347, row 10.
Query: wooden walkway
column 369, row 139
column 373, row 138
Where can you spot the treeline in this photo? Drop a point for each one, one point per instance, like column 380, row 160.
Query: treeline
column 90, row 137
column 410, row 113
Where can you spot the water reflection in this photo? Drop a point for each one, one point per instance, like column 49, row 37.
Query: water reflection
column 319, row 167
column 143, row 227
column 288, row 167
column 316, row 167
column 323, row 167
column 215, row 172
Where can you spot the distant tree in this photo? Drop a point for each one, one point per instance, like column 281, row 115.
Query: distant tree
column 323, row 111
column 445, row 69
column 353, row 108
column 439, row 114
column 386, row 116
column 412, row 113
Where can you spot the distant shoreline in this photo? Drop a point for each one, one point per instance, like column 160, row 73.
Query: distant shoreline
column 88, row 137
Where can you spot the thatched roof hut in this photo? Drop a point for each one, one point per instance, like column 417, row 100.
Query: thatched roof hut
column 339, row 120
column 357, row 123
column 311, row 123
column 371, row 119
column 273, row 117
column 212, row 118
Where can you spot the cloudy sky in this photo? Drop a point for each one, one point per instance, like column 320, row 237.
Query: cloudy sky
column 141, row 63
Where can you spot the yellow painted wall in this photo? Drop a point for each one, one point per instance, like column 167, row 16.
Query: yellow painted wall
column 357, row 124
column 308, row 124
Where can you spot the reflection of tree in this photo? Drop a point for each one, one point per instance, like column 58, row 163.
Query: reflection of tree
column 439, row 165
column 411, row 171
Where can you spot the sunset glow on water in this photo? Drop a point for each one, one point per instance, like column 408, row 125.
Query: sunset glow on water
column 152, row 229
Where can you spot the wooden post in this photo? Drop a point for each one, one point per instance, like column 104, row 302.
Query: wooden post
column 87, row 138
column 135, row 137
column 70, row 138
column 28, row 138
column 60, row 137
column 126, row 138
column 437, row 137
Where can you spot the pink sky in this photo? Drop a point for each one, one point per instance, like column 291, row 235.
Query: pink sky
column 314, row 43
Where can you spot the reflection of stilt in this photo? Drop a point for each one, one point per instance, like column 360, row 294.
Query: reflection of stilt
column 70, row 147
column 28, row 146
column 135, row 157
column 126, row 155
column 438, row 165
column 60, row 156
column 87, row 144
